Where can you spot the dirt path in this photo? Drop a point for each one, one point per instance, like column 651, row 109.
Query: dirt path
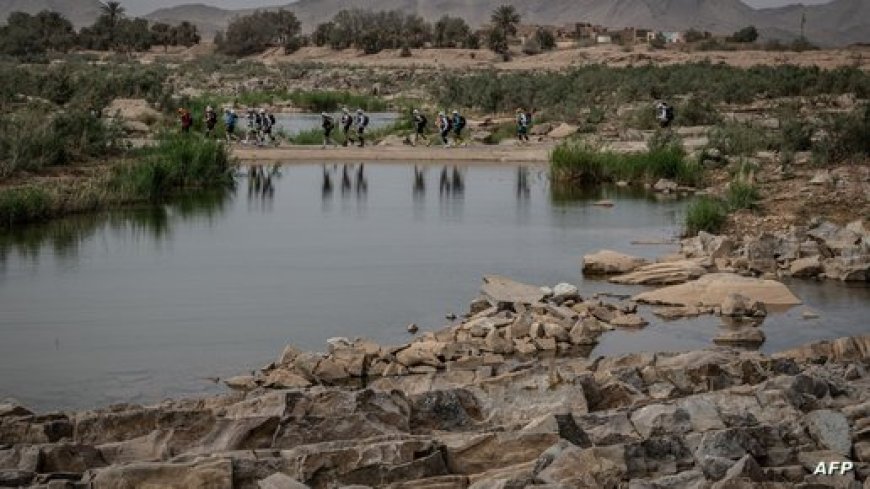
column 486, row 154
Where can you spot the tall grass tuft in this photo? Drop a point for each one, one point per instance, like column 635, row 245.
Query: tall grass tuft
column 742, row 195
column 177, row 162
column 705, row 214
column 583, row 164
column 24, row 204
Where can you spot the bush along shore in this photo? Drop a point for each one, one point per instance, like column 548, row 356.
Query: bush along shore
column 501, row 398
column 177, row 163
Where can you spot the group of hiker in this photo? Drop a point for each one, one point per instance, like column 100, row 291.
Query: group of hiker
column 259, row 125
column 450, row 127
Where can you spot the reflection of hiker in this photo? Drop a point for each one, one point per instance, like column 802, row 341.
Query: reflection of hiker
column 210, row 121
column 444, row 126
column 522, row 126
column 459, row 123
column 420, row 123
column 230, row 121
column 346, row 123
column 664, row 114
column 328, row 125
column 362, row 122
column 186, row 120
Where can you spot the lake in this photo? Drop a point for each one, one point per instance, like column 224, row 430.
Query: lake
column 143, row 304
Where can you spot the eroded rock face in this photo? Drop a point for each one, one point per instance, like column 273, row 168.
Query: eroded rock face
column 608, row 262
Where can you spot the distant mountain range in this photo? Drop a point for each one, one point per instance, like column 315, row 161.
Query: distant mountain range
column 840, row 22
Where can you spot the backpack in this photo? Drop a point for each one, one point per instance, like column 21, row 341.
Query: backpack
column 461, row 124
column 327, row 123
column 669, row 113
column 272, row 119
column 365, row 120
column 447, row 124
column 422, row 121
column 528, row 118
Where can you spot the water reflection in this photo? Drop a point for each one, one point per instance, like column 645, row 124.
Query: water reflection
column 261, row 186
column 65, row 236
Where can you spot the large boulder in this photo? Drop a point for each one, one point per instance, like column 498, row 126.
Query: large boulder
column 563, row 131
column 806, row 267
column 603, row 467
column 608, row 262
column 712, row 290
column 504, row 290
column 667, row 273
column 831, row 430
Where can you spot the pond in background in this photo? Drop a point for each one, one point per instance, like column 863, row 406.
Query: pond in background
column 144, row 304
column 295, row 123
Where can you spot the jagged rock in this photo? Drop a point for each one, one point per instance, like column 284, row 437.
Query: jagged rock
column 806, row 267
column 284, row 379
column 822, row 177
column 738, row 305
column 208, row 473
column 241, row 382
column 564, row 291
column 13, row 409
column 712, row 289
column 497, row 450
column 731, row 443
column 628, row 321
column 589, row 467
column 661, row 419
column 856, row 348
column 831, row 430
column 504, row 290
column 421, row 353
column 280, row 481
column 666, row 273
column 748, row 337
column 608, row 262
column 445, row 410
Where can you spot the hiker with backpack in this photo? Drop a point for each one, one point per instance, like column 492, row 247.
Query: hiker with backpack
column 328, row 124
column 420, row 123
column 186, row 120
column 346, row 123
column 664, row 114
column 252, row 135
column 444, row 127
column 523, row 121
column 362, row 122
column 211, row 119
column 230, row 120
column 459, row 124
column 267, row 122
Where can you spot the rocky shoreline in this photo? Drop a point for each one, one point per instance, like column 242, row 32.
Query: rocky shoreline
column 504, row 397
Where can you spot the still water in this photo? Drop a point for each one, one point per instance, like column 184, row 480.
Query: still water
column 140, row 305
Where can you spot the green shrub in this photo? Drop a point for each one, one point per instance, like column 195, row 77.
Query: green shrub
column 320, row 101
column 705, row 214
column 177, row 162
column 311, row 137
column 580, row 163
column 738, row 139
column 696, row 111
column 742, row 195
column 794, row 134
column 846, row 137
column 29, row 140
column 23, row 204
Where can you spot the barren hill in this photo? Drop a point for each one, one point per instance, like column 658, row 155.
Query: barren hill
column 79, row 12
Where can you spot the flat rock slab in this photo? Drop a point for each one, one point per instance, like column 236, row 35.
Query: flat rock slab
column 503, row 289
column 713, row 289
column 608, row 262
column 666, row 273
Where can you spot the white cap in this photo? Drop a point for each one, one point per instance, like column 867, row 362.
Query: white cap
column 359, row 111
column 416, row 111
column 262, row 111
column 209, row 109
column 344, row 109
column 455, row 111
column 441, row 113
column 324, row 114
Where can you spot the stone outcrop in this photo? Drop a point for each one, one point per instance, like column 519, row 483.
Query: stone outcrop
column 607, row 262
column 713, row 290
column 716, row 418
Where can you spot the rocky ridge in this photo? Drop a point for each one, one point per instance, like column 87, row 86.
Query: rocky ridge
column 502, row 399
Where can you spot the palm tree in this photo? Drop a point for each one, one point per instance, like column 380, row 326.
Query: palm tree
column 506, row 18
column 114, row 11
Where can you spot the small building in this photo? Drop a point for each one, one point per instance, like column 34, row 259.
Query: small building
column 603, row 39
column 674, row 37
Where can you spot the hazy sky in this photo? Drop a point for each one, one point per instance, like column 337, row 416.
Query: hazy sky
column 141, row 7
